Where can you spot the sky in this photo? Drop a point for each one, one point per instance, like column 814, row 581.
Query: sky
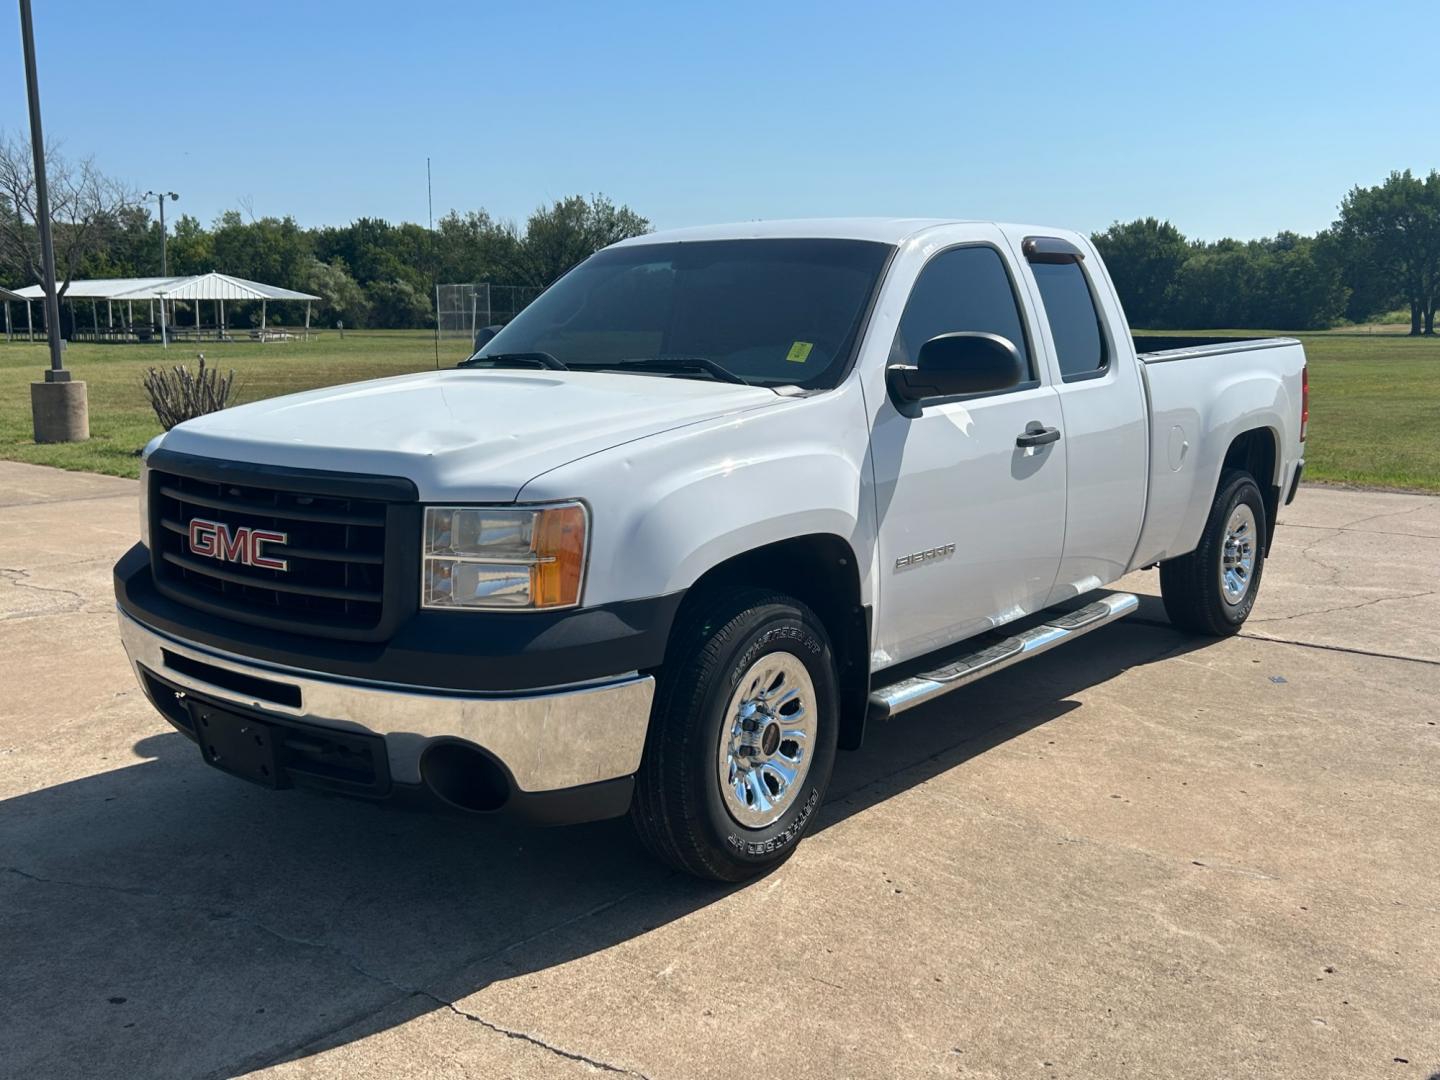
column 1228, row 119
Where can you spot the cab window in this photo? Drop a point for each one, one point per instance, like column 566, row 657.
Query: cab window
column 963, row 289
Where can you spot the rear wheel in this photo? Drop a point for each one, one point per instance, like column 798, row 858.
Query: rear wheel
column 1213, row 588
column 742, row 737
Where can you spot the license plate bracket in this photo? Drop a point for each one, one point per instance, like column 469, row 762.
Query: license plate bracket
column 239, row 745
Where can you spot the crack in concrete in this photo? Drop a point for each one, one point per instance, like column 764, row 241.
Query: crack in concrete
column 405, row 991
column 522, row 1036
column 128, row 890
column 1386, row 514
column 18, row 577
column 1307, row 554
column 1342, row 649
column 1345, row 607
column 1367, row 532
column 402, row 990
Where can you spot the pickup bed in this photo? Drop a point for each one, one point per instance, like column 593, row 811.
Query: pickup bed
column 712, row 504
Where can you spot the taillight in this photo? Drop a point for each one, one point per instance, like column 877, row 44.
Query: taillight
column 1304, row 400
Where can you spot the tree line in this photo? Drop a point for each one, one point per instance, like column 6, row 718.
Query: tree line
column 1381, row 254
column 368, row 273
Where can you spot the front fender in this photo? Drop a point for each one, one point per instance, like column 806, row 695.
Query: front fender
column 667, row 508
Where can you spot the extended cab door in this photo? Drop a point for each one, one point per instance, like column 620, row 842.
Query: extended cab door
column 970, row 525
column 1102, row 401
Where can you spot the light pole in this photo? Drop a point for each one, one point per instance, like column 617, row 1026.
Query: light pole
column 160, row 197
column 58, row 406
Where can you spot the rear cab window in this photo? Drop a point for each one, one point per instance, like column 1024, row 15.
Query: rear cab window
column 1070, row 308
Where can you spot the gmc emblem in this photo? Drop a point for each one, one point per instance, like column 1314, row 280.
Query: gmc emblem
column 243, row 545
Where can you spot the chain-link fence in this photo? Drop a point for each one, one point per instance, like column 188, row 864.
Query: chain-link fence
column 464, row 309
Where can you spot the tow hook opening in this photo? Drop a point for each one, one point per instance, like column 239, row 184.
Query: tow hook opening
column 465, row 777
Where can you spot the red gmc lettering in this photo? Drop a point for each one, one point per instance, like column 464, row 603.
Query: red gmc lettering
column 243, row 545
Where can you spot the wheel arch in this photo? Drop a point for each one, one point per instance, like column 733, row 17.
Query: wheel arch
column 821, row 571
column 1256, row 451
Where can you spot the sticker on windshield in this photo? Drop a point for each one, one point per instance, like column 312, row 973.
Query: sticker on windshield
column 799, row 352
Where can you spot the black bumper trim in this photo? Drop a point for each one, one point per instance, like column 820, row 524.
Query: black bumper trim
column 461, row 651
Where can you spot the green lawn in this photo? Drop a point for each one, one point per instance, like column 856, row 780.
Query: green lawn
column 1374, row 407
column 1374, row 398
column 120, row 418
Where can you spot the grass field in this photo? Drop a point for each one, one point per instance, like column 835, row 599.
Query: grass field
column 1374, row 413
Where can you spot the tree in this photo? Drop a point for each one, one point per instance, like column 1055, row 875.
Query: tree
column 270, row 249
column 1391, row 233
column 86, row 207
column 192, row 248
column 398, row 304
column 560, row 235
column 340, row 297
column 1144, row 258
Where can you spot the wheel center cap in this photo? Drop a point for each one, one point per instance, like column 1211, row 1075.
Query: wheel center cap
column 770, row 739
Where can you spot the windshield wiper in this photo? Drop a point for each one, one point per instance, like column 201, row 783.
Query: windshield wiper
column 538, row 359
column 677, row 364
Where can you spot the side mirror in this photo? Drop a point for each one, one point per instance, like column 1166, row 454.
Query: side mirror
column 954, row 364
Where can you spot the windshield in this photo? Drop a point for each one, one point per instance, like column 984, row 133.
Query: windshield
column 772, row 312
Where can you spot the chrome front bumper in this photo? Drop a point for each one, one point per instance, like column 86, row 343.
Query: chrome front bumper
column 562, row 737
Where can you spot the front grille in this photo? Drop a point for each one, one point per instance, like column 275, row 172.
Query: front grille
column 334, row 550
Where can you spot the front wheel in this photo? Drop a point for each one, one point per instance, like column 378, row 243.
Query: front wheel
column 742, row 738
column 1212, row 589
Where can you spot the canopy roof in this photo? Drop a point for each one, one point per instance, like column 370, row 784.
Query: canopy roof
column 6, row 294
column 216, row 286
column 211, row 286
column 105, row 289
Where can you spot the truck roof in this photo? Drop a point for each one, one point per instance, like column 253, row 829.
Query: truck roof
column 891, row 230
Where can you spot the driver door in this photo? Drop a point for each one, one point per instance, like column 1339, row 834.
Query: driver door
column 971, row 526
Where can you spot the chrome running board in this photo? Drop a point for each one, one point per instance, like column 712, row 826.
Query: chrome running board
column 968, row 667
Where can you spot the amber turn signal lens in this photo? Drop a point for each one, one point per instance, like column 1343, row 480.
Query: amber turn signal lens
column 560, row 551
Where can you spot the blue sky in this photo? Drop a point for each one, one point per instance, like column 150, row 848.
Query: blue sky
column 1229, row 119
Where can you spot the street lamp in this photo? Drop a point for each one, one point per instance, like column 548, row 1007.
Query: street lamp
column 160, row 197
column 58, row 406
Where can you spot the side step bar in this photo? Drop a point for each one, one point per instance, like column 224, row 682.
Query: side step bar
column 967, row 668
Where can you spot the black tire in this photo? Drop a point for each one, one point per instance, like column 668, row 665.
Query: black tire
column 1190, row 584
column 679, row 810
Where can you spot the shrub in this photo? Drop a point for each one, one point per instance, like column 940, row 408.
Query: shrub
column 177, row 395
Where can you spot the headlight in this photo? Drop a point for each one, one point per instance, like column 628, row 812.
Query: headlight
column 477, row 557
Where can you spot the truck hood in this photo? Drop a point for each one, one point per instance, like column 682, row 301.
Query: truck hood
column 473, row 434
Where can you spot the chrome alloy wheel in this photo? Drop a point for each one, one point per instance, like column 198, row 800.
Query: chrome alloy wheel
column 1237, row 557
column 766, row 739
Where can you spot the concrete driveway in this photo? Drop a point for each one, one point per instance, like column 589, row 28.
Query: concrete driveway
column 1143, row 855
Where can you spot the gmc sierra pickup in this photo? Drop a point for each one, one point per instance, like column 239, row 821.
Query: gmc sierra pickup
column 713, row 503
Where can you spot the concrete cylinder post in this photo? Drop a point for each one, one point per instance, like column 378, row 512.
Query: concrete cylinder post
column 61, row 411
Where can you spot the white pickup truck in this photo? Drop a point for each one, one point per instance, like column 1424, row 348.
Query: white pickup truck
column 716, row 500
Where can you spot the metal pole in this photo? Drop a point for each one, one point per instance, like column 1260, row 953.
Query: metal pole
column 57, row 372
column 307, row 320
column 29, row 323
column 164, row 337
